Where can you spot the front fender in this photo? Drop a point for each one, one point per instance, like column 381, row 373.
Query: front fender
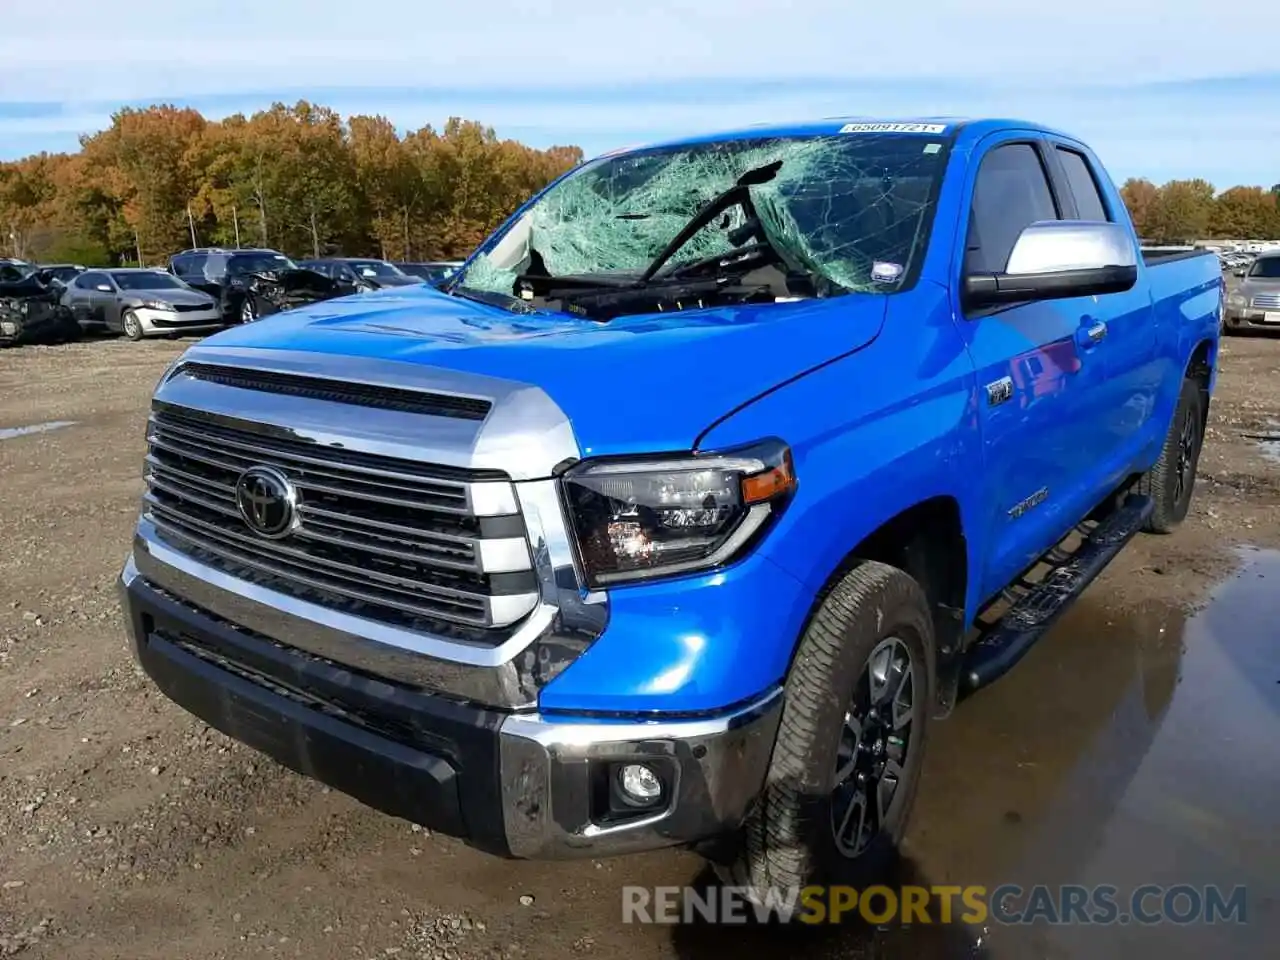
column 873, row 434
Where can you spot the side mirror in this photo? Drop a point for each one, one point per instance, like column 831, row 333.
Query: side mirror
column 1058, row 259
column 105, row 288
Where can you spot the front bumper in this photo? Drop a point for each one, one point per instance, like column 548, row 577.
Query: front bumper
column 172, row 321
column 515, row 784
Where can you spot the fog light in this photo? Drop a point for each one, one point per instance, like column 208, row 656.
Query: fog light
column 640, row 785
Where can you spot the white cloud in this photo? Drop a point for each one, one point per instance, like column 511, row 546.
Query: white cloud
column 147, row 49
column 560, row 71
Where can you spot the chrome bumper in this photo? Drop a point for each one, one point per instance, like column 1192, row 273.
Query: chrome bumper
column 518, row 784
column 716, row 766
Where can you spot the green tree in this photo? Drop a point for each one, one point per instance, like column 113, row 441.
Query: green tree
column 1246, row 212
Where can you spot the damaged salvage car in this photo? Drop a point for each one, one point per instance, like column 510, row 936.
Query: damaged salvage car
column 30, row 309
column 249, row 284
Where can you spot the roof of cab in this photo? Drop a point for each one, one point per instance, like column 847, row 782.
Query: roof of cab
column 972, row 129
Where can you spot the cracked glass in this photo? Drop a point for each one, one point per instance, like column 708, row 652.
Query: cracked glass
column 854, row 209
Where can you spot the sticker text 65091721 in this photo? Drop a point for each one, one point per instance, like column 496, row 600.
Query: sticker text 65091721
column 934, row 128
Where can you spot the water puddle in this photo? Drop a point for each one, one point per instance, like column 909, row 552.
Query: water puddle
column 1133, row 746
column 1268, row 441
column 1127, row 749
column 8, row 433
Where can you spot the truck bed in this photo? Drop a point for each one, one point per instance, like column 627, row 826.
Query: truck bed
column 1155, row 255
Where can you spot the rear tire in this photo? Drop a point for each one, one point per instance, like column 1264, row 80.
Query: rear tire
column 131, row 326
column 1171, row 482
column 846, row 763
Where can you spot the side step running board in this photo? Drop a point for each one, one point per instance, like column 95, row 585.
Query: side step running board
column 992, row 655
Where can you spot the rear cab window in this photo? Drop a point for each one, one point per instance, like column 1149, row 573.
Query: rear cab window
column 1083, row 182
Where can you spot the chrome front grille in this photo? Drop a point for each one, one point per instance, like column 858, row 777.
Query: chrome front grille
column 411, row 544
column 1267, row 301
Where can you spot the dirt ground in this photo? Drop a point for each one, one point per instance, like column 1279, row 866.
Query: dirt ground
column 130, row 830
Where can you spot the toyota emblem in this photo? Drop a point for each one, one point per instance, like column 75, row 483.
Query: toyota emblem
column 267, row 501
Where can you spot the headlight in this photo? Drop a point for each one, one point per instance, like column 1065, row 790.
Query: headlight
column 1237, row 300
column 158, row 305
column 641, row 518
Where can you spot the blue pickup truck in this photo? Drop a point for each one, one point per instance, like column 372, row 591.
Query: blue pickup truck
column 680, row 511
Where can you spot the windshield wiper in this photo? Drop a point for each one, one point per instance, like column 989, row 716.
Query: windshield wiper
column 493, row 298
column 738, row 195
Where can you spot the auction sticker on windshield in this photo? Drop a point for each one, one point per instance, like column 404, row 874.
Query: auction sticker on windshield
column 894, row 128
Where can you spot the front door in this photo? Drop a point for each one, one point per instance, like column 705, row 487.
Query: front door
column 1039, row 366
column 80, row 297
column 106, row 303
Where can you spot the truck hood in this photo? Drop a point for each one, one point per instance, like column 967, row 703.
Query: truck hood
column 640, row 383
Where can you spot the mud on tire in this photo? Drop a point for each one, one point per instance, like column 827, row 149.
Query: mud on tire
column 790, row 839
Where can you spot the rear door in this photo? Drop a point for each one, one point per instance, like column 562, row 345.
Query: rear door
column 1134, row 370
column 1038, row 370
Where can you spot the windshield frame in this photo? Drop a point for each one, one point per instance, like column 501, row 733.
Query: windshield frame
column 912, row 271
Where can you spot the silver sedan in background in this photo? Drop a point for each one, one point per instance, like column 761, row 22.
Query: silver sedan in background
column 140, row 303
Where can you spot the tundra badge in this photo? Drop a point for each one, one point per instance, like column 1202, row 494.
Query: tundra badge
column 999, row 391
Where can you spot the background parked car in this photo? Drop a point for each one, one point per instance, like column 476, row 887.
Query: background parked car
column 249, row 284
column 432, row 271
column 359, row 274
column 140, row 303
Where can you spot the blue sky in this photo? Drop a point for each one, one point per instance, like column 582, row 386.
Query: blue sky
column 1160, row 89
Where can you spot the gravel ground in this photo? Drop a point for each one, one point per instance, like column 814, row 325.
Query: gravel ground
column 129, row 829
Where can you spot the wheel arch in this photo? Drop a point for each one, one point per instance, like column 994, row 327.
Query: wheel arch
column 1203, row 369
column 926, row 540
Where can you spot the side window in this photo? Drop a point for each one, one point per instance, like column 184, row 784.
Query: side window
column 1084, row 186
column 1011, row 193
column 180, row 266
column 212, row 267
column 90, row 281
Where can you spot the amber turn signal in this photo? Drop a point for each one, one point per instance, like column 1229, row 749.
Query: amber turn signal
column 770, row 484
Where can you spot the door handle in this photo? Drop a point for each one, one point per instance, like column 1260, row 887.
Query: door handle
column 1092, row 334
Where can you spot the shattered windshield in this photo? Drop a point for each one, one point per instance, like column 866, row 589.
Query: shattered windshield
column 850, row 211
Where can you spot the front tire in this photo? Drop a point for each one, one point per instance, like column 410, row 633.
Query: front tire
column 1171, row 482
column 846, row 763
column 131, row 326
column 248, row 310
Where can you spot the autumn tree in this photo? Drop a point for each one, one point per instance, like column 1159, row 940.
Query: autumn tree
column 1140, row 197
